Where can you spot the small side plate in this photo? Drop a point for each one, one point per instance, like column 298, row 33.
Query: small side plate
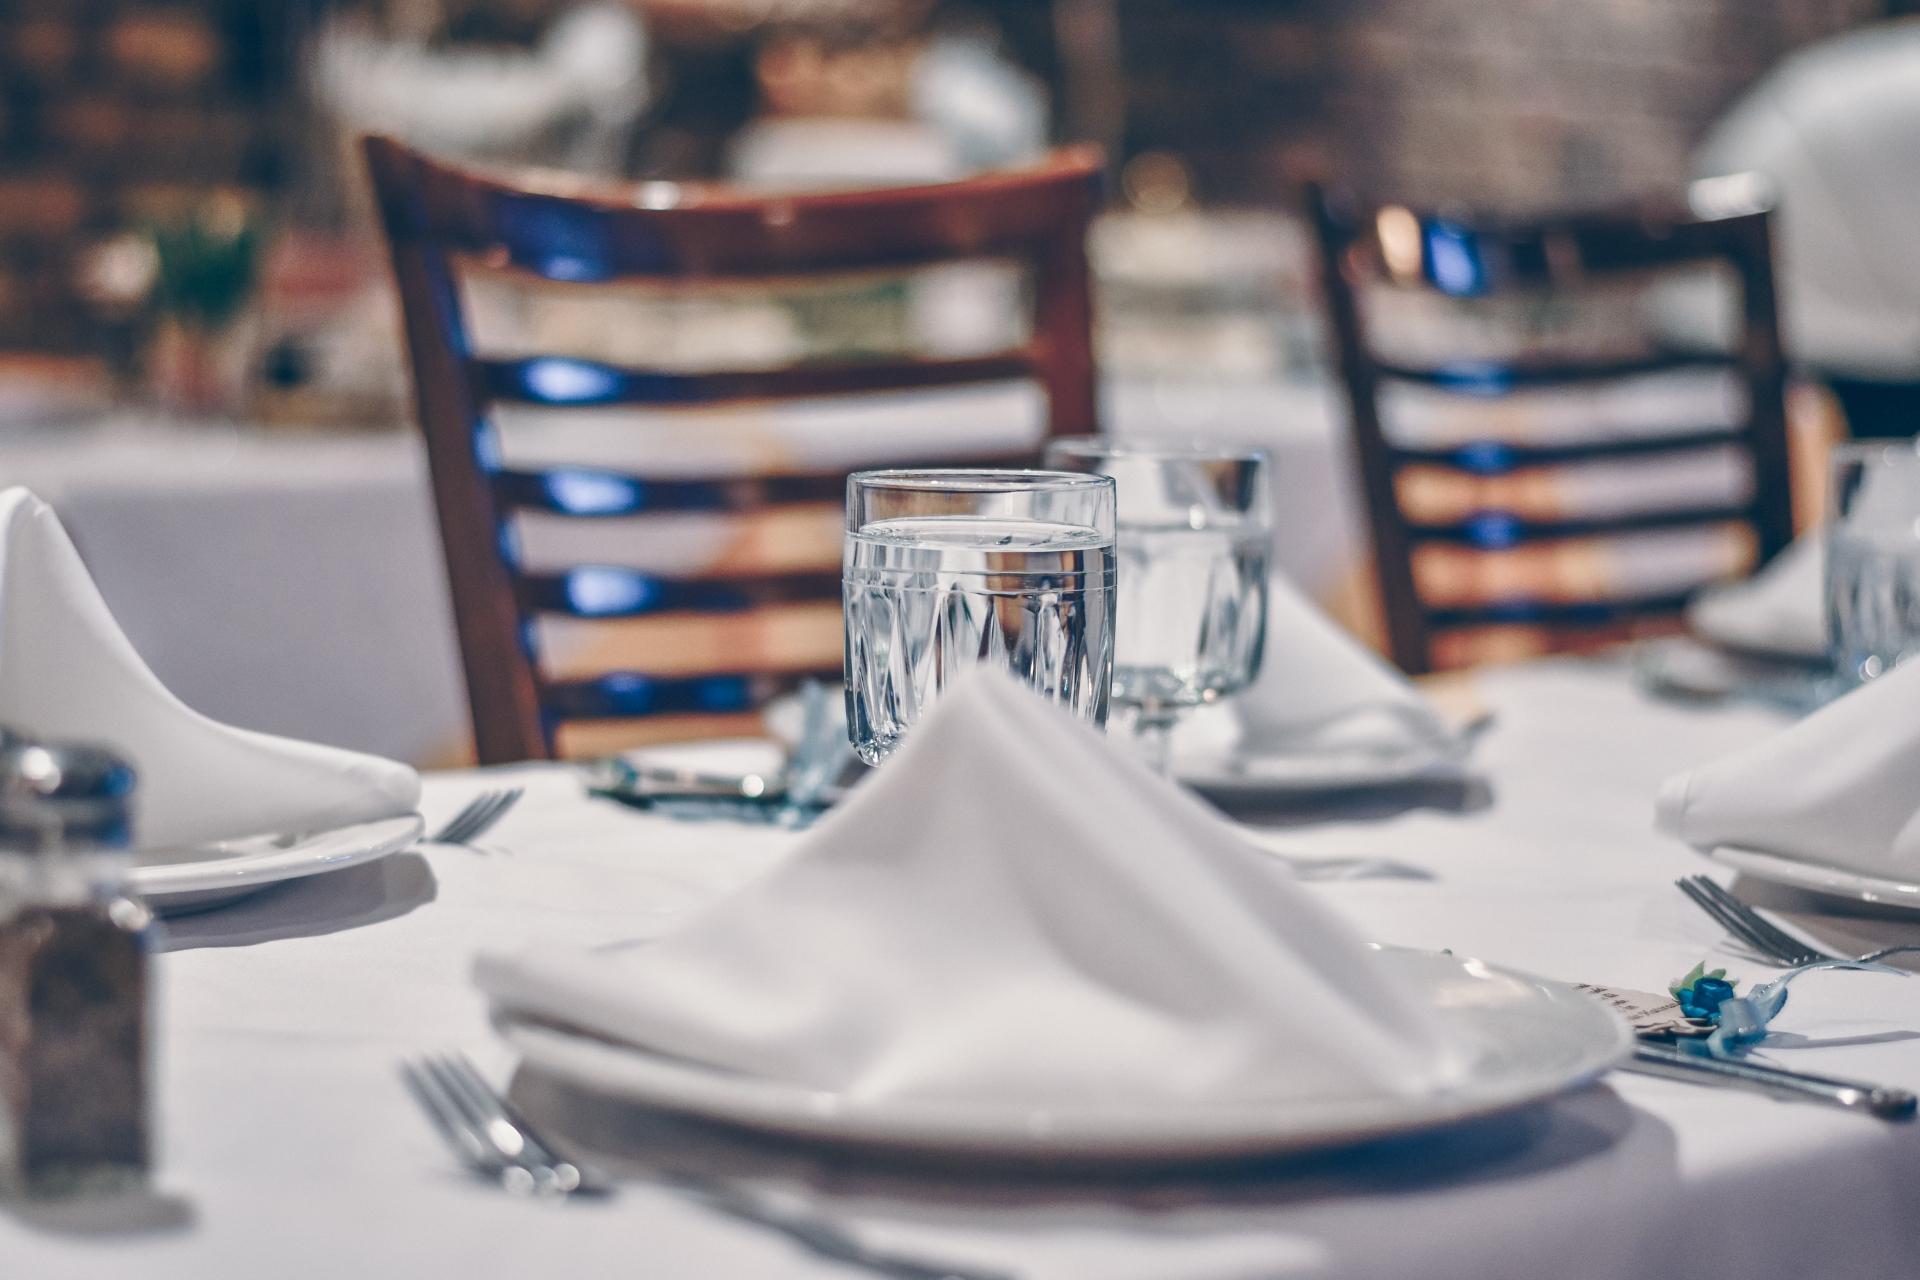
column 175, row 881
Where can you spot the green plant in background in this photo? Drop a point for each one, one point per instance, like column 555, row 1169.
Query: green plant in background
column 205, row 265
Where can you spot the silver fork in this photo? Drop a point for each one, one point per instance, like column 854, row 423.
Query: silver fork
column 491, row 1137
column 1765, row 937
column 483, row 1136
column 478, row 817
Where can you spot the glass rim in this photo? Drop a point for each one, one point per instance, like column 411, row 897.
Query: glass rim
column 978, row 480
column 1167, row 447
column 1873, row 451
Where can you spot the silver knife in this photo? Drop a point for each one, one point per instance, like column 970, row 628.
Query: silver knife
column 1854, row 1095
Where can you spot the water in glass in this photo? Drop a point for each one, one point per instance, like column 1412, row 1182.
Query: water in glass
column 1191, row 612
column 929, row 596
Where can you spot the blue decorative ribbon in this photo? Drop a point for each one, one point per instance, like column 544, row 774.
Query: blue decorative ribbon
column 1740, row 1022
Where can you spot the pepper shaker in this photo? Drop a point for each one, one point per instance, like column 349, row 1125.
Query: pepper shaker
column 74, row 985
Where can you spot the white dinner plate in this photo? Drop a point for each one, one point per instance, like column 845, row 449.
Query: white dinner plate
column 1820, row 879
column 178, row 880
column 1529, row 1040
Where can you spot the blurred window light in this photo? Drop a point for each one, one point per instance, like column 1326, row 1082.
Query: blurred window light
column 1398, row 231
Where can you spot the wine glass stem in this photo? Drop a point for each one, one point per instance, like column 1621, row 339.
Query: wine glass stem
column 1153, row 730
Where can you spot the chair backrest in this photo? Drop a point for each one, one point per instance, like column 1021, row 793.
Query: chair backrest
column 440, row 221
column 1380, row 250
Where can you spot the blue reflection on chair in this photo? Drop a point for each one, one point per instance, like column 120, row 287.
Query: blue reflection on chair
column 1454, row 263
column 593, row 493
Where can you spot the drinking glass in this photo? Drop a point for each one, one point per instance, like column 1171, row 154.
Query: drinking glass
column 1194, row 530
column 1873, row 559
column 946, row 570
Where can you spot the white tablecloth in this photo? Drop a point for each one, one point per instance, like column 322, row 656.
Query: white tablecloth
column 292, row 581
column 291, row 1151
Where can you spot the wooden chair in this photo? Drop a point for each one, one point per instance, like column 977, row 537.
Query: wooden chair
column 441, row 221
column 1393, row 247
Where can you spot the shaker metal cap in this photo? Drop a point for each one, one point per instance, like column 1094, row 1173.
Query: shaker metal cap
column 56, row 792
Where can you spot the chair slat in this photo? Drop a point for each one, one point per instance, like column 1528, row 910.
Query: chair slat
column 568, row 229
column 625, row 695
column 602, row 492
column 1558, row 613
column 1499, row 530
column 611, row 591
column 561, row 380
column 1488, row 378
column 1504, row 457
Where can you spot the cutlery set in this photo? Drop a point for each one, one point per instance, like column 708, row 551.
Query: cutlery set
column 1776, row 946
column 815, row 778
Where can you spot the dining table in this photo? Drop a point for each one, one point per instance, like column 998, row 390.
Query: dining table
column 289, row 1148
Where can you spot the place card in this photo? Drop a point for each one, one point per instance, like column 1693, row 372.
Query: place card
column 1653, row 1017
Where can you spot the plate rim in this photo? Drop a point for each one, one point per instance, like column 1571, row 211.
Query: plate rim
column 1356, row 771
column 1818, row 877
column 1205, row 1132
column 272, row 865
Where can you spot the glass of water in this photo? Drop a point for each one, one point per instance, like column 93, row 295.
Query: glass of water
column 1194, row 531
column 946, row 570
column 1873, row 559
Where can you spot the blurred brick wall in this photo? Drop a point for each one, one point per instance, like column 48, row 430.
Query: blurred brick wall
column 1530, row 102
column 111, row 111
column 117, row 111
column 1501, row 102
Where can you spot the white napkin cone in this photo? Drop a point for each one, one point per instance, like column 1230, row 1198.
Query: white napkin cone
column 1779, row 610
column 1319, row 690
column 1841, row 787
column 1012, row 911
column 68, row 673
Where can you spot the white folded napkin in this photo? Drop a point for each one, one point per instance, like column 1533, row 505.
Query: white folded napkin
column 1320, row 691
column 1841, row 787
column 1779, row 610
column 1012, row 911
column 68, row 673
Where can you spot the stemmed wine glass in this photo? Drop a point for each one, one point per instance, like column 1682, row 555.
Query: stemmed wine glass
column 1193, row 531
column 1873, row 559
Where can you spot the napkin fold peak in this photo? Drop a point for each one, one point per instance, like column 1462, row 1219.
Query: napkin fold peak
column 1840, row 787
column 68, row 672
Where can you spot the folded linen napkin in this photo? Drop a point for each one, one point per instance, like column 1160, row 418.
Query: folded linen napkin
column 1012, row 910
column 1841, row 787
column 67, row 672
column 1779, row 610
column 1319, row 690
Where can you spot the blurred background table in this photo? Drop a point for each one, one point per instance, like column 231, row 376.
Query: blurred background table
column 291, row 581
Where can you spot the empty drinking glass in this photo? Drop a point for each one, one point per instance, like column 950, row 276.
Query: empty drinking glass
column 1873, row 559
column 946, row 570
column 1194, row 531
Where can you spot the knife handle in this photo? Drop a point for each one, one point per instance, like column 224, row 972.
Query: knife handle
column 1855, row 1095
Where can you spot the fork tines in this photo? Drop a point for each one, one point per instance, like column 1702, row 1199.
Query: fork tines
column 486, row 1131
column 479, row 816
column 1748, row 925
